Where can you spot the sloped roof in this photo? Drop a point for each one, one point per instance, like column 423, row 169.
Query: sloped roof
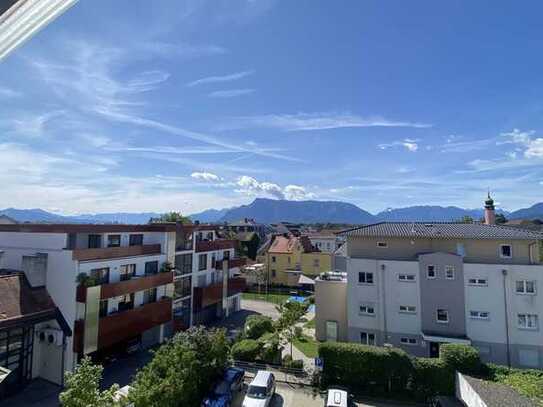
column 19, row 301
column 443, row 230
column 282, row 244
column 498, row 395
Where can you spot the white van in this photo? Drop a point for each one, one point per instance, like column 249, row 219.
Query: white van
column 261, row 390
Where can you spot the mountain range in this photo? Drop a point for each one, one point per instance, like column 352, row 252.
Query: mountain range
column 272, row 211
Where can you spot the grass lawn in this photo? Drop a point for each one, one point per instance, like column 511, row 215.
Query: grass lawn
column 273, row 298
column 308, row 346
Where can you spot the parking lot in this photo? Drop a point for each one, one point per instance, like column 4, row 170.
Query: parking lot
column 299, row 396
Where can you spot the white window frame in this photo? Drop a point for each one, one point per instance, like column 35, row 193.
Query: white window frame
column 437, row 316
column 405, row 278
column 477, row 282
column 451, row 269
column 510, row 251
column 366, row 310
column 428, row 271
column 483, row 315
column 368, row 334
column 382, row 245
column 528, row 318
column 408, row 341
column 408, row 309
column 524, row 287
column 365, row 282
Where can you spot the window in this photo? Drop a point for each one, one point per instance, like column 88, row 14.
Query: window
column 477, row 281
column 316, row 262
column 114, row 241
column 449, row 272
column 382, row 245
column 274, row 273
column 183, row 264
column 151, row 267
column 273, row 259
column 408, row 309
column 95, row 241
column 527, row 321
column 103, row 308
column 525, row 287
column 478, row 314
column 183, row 287
column 406, row 277
column 101, row 276
column 365, row 278
column 331, row 331
column 430, row 271
column 367, row 310
column 202, row 262
column 209, row 236
column 408, row 341
column 226, row 255
column 135, row 240
column 442, row 316
column 127, row 302
column 367, row 338
column 127, row 271
column 288, row 259
column 149, row 296
column 506, row 251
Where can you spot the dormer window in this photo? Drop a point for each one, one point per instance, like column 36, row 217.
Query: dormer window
column 506, row 251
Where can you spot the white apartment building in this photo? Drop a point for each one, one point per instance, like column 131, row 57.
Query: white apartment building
column 110, row 287
column 325, row 242
column 418, row 285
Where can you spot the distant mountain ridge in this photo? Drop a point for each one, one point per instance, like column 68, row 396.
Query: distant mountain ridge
column 273, row 211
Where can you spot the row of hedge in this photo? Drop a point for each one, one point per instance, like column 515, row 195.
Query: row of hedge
column 381, row 370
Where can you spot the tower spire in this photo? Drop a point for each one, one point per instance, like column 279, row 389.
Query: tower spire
column 490, row 214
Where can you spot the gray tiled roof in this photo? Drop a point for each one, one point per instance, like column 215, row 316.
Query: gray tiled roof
column 443, row 230
column 498, row 395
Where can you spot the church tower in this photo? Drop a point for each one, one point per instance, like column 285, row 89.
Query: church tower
column 490, row 214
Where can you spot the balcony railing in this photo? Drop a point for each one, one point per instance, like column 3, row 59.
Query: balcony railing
column 232, row 263
column 204, row 296
column 211, row 245
column 129, row 324
column 135, row 284
column 115, row 252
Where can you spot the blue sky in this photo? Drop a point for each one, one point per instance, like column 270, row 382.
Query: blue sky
column 189, row 105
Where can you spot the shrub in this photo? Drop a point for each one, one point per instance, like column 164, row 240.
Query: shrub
column 270, row 349
column 365, row 367
column 298, row 331
column 246, row 350
column 289, row 363
column 431, row 377
column 463, row 358
column 257, row 325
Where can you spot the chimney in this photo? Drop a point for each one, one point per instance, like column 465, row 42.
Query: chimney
column 490, row 214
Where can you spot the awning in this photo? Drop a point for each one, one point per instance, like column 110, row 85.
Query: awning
column 445, row 339
column 303, row 280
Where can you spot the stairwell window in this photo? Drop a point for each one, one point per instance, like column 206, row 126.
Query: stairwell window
column 528, row 321
column 506, row 251
column 367, row 338
column 478, row 314
column 406, row 277
column 431, row 271
column 442, row 316
column 449, row 272
column 525, row 287
column 365, row 278
column 408, row 341
column 478, row 282
column 408, row 309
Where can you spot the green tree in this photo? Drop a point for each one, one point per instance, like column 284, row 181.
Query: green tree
column 182, row 369
column 172, row 217
column 291, row 312
column 83, row 388
column 466, row 219
column 500, row 219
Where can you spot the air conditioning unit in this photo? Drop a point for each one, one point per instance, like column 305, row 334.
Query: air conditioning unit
column 50, row 336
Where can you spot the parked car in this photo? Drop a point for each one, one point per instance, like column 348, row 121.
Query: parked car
column 338, row 397
column 223, row 391
column 261, row 390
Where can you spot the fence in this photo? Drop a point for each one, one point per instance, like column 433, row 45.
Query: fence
column 282, row 374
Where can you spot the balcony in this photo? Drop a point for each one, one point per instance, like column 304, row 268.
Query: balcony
column 205, row 296
column 135, row 284
column 212, row 245
column 129, row 324
column 115, row 252
column 232, row 263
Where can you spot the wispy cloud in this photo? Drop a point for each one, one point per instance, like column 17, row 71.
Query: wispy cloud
column 250, row 186
column 315, row 121
column 7, row 93
column 532, row 146
column 224, row 78
column 205, row 176
column 409, row 144
column 230, row 93
column 33, row 125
